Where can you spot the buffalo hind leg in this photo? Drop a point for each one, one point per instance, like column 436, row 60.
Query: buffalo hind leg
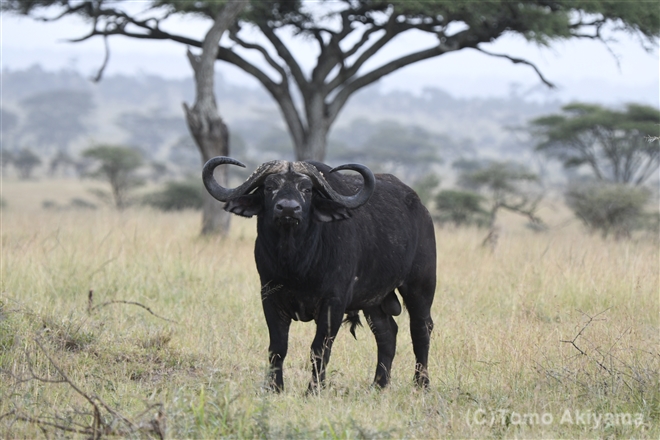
column 418, row 301
column 384, row 329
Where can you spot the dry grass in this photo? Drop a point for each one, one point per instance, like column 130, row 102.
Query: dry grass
column 548, row 323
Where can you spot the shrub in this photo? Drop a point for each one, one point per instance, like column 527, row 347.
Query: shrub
column 608, row 207
column 177, row 196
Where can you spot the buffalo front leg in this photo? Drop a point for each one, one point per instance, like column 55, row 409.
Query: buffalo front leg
column 327, row 325
column 384, row 329
column 278, row 329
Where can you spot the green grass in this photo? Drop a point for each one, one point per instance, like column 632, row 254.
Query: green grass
column 501, row 345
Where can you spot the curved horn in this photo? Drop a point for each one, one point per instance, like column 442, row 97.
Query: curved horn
column 223, row 194
column 354, row 201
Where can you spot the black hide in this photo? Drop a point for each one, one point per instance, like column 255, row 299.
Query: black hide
column 319, row 261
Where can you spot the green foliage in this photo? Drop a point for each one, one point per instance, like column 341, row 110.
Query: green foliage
column 117, row 165
column 609, row 208
column 462, row 208
column 177, row 196
column 25, row 162
column 536, row 20
column 613, row 144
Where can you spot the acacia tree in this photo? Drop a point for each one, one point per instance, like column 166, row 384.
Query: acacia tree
column 614, row 144
column 349, row 34
column 508, row 186
column 116, row 165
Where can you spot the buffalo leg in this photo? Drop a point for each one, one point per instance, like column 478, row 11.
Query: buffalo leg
column 421, row 325
column 384, row 329
column 278, row 329
column 327, row 325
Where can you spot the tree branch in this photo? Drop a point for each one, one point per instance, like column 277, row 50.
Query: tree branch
column 96, row 78
column 288, row 58
column 349, row 88
column 277, row 91
column 234, row 37
column 519, row 61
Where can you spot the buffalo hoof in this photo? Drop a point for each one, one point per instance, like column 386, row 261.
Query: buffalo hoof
column 314, row 389
column 422, row 381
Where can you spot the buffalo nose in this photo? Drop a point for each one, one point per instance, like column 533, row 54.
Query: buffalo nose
column 287, row 207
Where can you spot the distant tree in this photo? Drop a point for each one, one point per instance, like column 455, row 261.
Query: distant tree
column 149, row 132
column 61, row 161
column 409, row 151
column 274, row 141
column 425, row 186
column 349, row 34
column 56, row 118
column 609, row 208
column 462, row 208
column 507, row 187
column 116, row 165
column 25, row 161
column 8, row 125
column 612, row 144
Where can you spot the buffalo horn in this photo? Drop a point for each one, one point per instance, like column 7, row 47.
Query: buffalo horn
column 351, row 202
column 223, row 194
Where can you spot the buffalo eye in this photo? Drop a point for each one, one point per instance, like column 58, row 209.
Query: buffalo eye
column 270, row 188
column 307, row 190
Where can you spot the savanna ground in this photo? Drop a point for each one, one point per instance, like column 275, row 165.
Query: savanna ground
column 552, row 334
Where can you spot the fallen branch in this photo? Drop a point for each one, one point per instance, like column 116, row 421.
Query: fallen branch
column 91, row 307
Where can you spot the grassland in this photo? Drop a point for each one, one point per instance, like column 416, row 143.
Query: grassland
column 550, row 335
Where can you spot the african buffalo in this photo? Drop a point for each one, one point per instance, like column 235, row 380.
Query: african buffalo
column 330, row 244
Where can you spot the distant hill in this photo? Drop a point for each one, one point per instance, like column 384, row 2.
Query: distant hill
column 50, row 111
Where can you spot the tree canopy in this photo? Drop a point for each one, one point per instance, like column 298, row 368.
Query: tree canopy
column 349, row 33
column 614, row 144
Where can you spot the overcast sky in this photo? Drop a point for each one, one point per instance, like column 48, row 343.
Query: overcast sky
column 583, row 70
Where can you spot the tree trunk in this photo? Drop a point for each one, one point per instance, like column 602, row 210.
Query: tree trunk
column 312, row 144
column 212, row 138
column 204, row 122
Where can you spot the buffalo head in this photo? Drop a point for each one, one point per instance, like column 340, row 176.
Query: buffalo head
column 288, row 193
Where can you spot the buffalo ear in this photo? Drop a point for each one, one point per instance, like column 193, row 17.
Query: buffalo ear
column 245, row 206
column 326, row 210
